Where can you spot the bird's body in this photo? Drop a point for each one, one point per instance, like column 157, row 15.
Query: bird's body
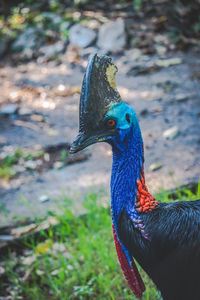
column 172, row 257
column 163, row 238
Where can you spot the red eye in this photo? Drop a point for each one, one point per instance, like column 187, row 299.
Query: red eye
column 111, row 123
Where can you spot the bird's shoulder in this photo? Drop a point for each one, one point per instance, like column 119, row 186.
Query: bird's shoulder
column 177, row 220
column 170, row 226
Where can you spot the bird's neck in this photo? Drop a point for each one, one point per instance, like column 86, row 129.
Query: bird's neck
column 128, row 189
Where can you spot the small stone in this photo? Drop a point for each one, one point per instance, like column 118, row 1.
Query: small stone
column 88, row 51
column 24, row 111
column 37, row 118
column 69, row 267
column 21, row 161
column 161, row 50
column 52, row 50
column 164, row 63
column 29, row 39
column 9, row 109
column 171, row 133
column 30, row 164
column 57, row 165
column 81, row 36
column 19, row 169
column 29, row 260
column 155, row 166
column 2, row 270
column 157, row 110
column 39, row 162
column 47, row 157
column 39, row 272
column 112, row 36
column 142, row 68
column 161, row 39
column 135, row 54
column 55, row 272
column 180, row 98
column 43, row 198
column 58, row 247
column 53, row 18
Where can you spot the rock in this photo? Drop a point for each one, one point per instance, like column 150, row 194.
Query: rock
column 81, row 36
column 39, row 162
column 161, row 39
column 19, row 169
column 112, row 36
column 9, row 109
column 164, row 63
column 27, row 41
column 24, row 111
column 180, row 98
column 30, row 164
column 147, row 65
column 155, row 166
column 161, row 50
column 37, row 118
column 157, row 110
column 135, row 54
column 2, row 270
column 52, row 50
column 171, row 133
column 39, row 272
column 47, row 157
column 29, row 260
column 142, row 68
column 88, row 51
column 57, row 165
column 43, row 198
column 52, row 18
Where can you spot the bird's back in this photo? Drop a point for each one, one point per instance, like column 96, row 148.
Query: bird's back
column 172, row 255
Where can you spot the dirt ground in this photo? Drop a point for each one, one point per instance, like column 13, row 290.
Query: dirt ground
column 163, row 97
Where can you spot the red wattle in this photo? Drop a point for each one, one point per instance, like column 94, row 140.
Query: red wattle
column 131, row 274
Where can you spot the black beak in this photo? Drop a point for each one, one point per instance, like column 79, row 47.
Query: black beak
column 82, row 142
column 98, row 94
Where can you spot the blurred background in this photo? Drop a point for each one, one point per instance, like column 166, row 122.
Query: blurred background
column 44, row 50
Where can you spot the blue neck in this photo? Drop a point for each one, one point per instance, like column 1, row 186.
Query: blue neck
column 127, row 164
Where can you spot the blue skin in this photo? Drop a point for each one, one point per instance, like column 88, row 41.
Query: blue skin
column 128, row 159
column 127, row 148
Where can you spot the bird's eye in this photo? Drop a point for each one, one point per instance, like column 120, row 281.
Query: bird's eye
column 110, row 123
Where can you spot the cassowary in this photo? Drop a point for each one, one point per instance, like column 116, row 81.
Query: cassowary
column 163, row 238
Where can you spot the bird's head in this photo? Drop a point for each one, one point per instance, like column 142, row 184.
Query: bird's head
column 104, row 117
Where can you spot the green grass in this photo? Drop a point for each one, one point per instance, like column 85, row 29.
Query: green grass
column 75, row 260
column 6, row 164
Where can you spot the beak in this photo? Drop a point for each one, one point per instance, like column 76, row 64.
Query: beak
column 81, row 142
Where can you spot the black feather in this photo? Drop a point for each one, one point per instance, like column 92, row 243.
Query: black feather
column 172, row 255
